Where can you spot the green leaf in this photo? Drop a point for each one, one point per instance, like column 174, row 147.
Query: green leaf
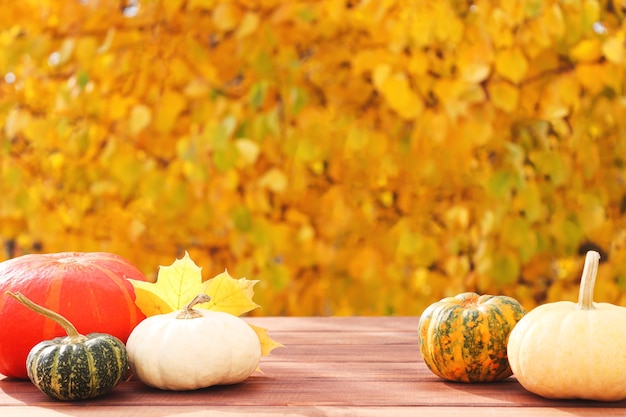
column 83, row 79
column 257, row 93
column 502, row 183
column 552, row 166
column 242, row 218
column 520, row 236
column 505, row 268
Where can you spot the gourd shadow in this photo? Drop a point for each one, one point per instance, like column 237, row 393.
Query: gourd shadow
column 127, row 397
column 21, row 390
column 510, row 393
column 19, row 393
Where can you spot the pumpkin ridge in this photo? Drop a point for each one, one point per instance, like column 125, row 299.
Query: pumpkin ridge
column 94, row 380
column 472, row 343
column 438, row 342
column 448, row 338
column 108, row 365
column 53, row 302
column 496, row 346
column 123, row 285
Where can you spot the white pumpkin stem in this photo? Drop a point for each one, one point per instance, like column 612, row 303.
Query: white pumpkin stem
column 188, row 312
column 588, row 281
column 69, row 328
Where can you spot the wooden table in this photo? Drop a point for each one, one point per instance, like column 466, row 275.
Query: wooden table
column 359, row 366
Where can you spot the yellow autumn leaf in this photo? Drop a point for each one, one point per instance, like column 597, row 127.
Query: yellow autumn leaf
column 249, row 24
column 140, row 118
column 380, row 74
column 234, row 296
column 397, row 91
column 267, row 343
column 176, row 285
column 591, row 76
column 229, row 295
column 171, row 7
column 226, row 16
column 613, row 48
column 196, row 5
column 16, row 122
column 118, row 108
column 591, row 10
column 173, row 104
column 554, row 21
column 248, row 151
column 503, row 95
column 587, row 50
column 512, row 64
column 275, row 180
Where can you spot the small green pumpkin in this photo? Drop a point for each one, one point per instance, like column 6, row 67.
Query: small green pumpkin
column 464, row 338
column 74, row 367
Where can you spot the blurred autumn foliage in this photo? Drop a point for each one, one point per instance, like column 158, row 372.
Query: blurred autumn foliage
column 356, row 157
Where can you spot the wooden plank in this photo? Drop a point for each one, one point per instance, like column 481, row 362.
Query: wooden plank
column 336, row 324
column 315, row 337
column 341, row 353
column 303, row 411
column 367, row 366
column 340, row 391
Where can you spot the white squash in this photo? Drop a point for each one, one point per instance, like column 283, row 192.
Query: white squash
column 569, row 350
column 192, row 349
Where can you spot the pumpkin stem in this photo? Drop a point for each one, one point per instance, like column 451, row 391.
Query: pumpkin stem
column 69, row 328
column 188, row 312
column 588, row 281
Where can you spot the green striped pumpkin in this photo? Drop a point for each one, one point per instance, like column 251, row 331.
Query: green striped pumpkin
column 67, row 368
column 74, row 367
column 464, row 338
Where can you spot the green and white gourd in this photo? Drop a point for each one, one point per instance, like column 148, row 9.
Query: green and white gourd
column 74, row 367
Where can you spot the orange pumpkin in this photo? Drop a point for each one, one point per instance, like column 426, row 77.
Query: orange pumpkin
column 88, row 288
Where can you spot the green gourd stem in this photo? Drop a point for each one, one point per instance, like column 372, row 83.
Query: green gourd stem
column 59, row 319
column 188, row 312
column 588, row 281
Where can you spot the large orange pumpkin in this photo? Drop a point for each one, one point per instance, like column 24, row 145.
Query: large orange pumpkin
column 88, row 288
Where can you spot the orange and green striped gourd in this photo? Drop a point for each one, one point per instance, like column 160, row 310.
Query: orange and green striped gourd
column 464, row 338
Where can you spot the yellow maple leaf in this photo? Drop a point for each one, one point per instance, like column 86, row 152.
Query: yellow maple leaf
column 230, row 295
column 176, row 285
column 179, row 283
column 267, row 343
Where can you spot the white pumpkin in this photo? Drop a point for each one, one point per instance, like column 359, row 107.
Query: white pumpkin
column 569, row 350
column 192, row 349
